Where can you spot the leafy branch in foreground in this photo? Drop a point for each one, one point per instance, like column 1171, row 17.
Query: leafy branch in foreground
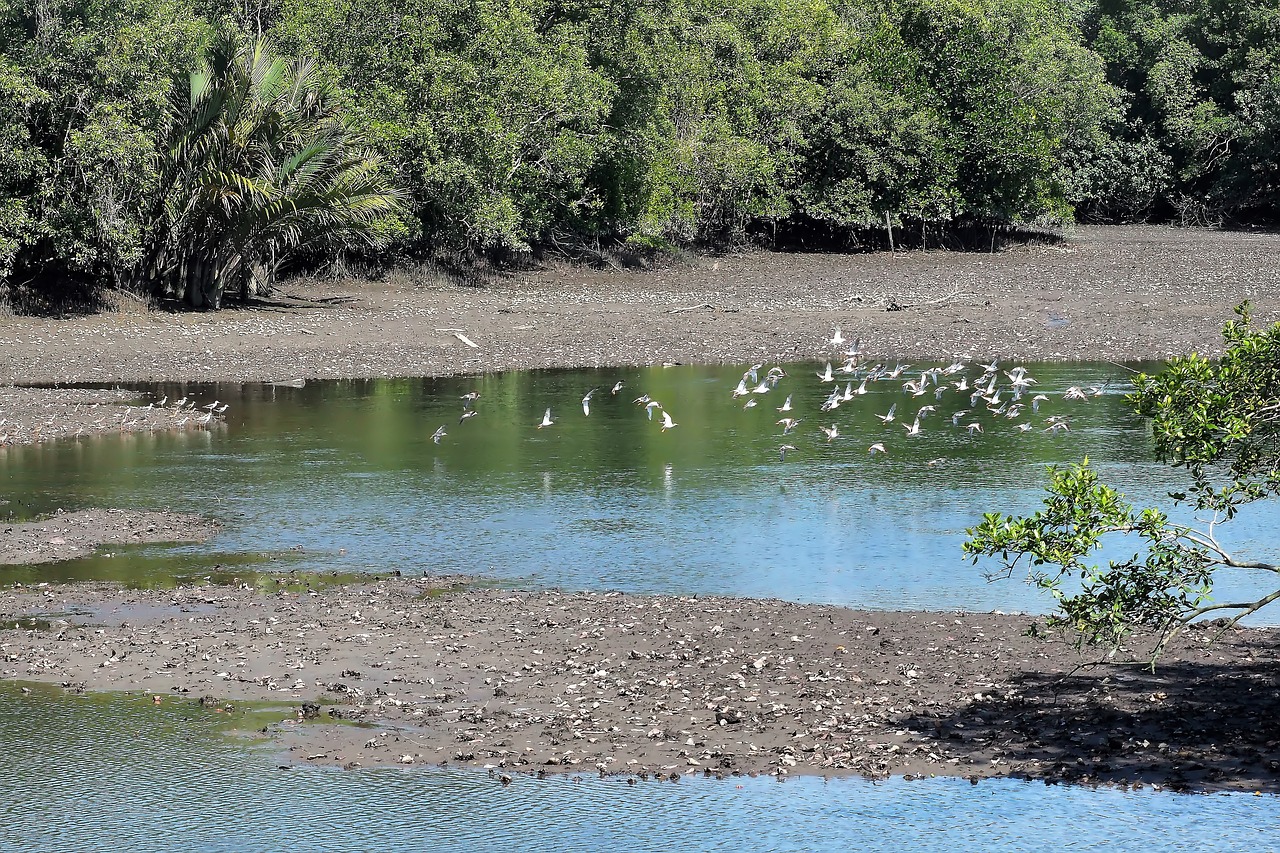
column 1218, row 420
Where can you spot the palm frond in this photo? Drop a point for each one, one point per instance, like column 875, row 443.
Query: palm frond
column 257, row 162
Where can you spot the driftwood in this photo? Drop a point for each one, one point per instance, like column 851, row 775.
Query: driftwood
column 457, row 333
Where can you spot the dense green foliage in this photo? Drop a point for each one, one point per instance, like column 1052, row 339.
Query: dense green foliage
column 516, row 125
column 1198, row 137
column 256, row 164
column 1220, row 421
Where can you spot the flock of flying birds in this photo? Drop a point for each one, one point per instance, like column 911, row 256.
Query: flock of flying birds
column 1003, row 395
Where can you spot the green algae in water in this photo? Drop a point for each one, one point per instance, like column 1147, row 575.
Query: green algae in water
column 152, row 566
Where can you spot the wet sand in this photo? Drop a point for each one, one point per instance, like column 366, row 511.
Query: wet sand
column 660, row 686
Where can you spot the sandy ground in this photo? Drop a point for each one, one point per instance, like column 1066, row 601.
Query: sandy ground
column 549, row 681
column 655, row 686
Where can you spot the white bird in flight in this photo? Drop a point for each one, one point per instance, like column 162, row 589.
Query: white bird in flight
column 586, row 403
column 438, row 434
column 546, row 419
column 876, row 448
column 667, row 423
column 786, row 405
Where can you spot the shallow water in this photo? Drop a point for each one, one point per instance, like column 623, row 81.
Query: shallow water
column 86, row 771
column 347, row 473
column 343, row 476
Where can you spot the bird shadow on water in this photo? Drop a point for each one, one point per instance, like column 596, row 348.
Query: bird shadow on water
column 1191, row 725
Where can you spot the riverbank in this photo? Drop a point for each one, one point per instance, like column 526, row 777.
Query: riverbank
column 1104, row 294
column 661, row 686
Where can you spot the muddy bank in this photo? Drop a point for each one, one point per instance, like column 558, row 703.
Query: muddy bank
column 602, row 682
column 1105, row 293
column 68, row 535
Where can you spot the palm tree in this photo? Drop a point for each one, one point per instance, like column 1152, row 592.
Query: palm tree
column 258, row 164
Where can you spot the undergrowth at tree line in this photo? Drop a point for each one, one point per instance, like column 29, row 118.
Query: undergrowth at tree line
column 494, row 129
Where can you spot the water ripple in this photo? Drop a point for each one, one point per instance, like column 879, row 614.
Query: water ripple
column 86, row 772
